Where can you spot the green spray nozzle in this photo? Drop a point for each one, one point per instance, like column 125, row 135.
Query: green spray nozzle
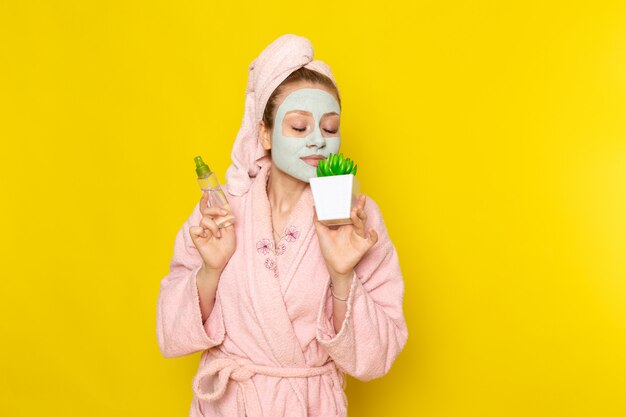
column 201, row 167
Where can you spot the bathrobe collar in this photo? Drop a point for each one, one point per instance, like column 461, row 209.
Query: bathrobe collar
column 273, row 266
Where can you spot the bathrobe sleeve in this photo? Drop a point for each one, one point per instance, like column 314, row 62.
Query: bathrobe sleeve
column 374, row 330
column 180, row 330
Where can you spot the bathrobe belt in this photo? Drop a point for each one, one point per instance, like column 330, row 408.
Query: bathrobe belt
column 247, row 398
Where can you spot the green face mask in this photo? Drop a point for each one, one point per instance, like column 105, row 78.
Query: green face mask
column 288, row 151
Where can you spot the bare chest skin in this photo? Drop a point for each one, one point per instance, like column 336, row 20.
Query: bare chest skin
column 280, row 218
column 279, row 223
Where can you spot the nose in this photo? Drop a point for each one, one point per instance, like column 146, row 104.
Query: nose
column 316, row 139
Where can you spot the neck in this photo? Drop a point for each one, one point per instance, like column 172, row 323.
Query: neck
column 283, row 191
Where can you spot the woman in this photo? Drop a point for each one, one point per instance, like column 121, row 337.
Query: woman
column 281, row 305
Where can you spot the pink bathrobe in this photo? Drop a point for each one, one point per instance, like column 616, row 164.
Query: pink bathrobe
column 269, row 345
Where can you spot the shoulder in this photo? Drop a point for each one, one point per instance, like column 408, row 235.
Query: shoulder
column 235, row 201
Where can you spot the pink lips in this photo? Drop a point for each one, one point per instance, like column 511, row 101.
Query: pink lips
column 312, row 160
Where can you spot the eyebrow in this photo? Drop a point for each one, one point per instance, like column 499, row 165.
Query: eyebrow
column 308, row 113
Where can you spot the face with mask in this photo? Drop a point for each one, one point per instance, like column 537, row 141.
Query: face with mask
column 306, row 130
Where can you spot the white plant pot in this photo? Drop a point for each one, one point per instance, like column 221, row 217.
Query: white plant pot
column 334, row 198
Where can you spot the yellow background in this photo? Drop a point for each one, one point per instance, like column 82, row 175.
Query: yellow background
column 491, row 134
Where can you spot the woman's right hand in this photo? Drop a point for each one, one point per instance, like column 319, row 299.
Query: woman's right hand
column 215, row 245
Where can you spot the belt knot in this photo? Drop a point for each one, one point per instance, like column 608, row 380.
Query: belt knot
column 225, row 368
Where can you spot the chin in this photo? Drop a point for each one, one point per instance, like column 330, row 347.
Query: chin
column 311, row 172
column 303, row 171
column 304, row 178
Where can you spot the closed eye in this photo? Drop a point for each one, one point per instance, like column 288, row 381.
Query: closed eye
column 303, row 129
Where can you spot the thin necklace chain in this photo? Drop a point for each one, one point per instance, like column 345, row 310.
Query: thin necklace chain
column 267, row 184
column 278, row 234
column 280, row 237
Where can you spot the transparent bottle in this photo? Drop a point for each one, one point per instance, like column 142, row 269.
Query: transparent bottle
column 207, row 180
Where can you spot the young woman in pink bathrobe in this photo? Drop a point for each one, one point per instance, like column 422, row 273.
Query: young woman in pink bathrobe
column 282, row 306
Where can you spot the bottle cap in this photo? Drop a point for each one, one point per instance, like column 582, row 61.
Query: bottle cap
column 201, row 167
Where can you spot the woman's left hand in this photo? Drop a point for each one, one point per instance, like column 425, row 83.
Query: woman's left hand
column 344, row 246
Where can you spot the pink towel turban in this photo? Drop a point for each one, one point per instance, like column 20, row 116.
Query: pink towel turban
column 279, row 59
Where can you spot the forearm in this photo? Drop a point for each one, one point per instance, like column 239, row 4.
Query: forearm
column 340, row 288
column 207, row 280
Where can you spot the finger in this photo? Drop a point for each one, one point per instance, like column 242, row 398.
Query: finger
column 214, row 211
column 228, row 230
column 315, row 218
column 319, row 226
column 204, row 201
column 359, row 226
column 197, row 232
column 373, row 237
column 316, row 221
column 362, row 214
column 361, row 201
column 209, row 223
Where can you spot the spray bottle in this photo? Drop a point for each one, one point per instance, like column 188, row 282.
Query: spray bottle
column 208, row 182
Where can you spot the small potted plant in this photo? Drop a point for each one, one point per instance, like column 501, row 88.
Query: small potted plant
column 335, row 190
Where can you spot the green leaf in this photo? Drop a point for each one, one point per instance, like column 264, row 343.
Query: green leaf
column 344, row 167
column 326, row 169
column 350, row 166
column 335, row 165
